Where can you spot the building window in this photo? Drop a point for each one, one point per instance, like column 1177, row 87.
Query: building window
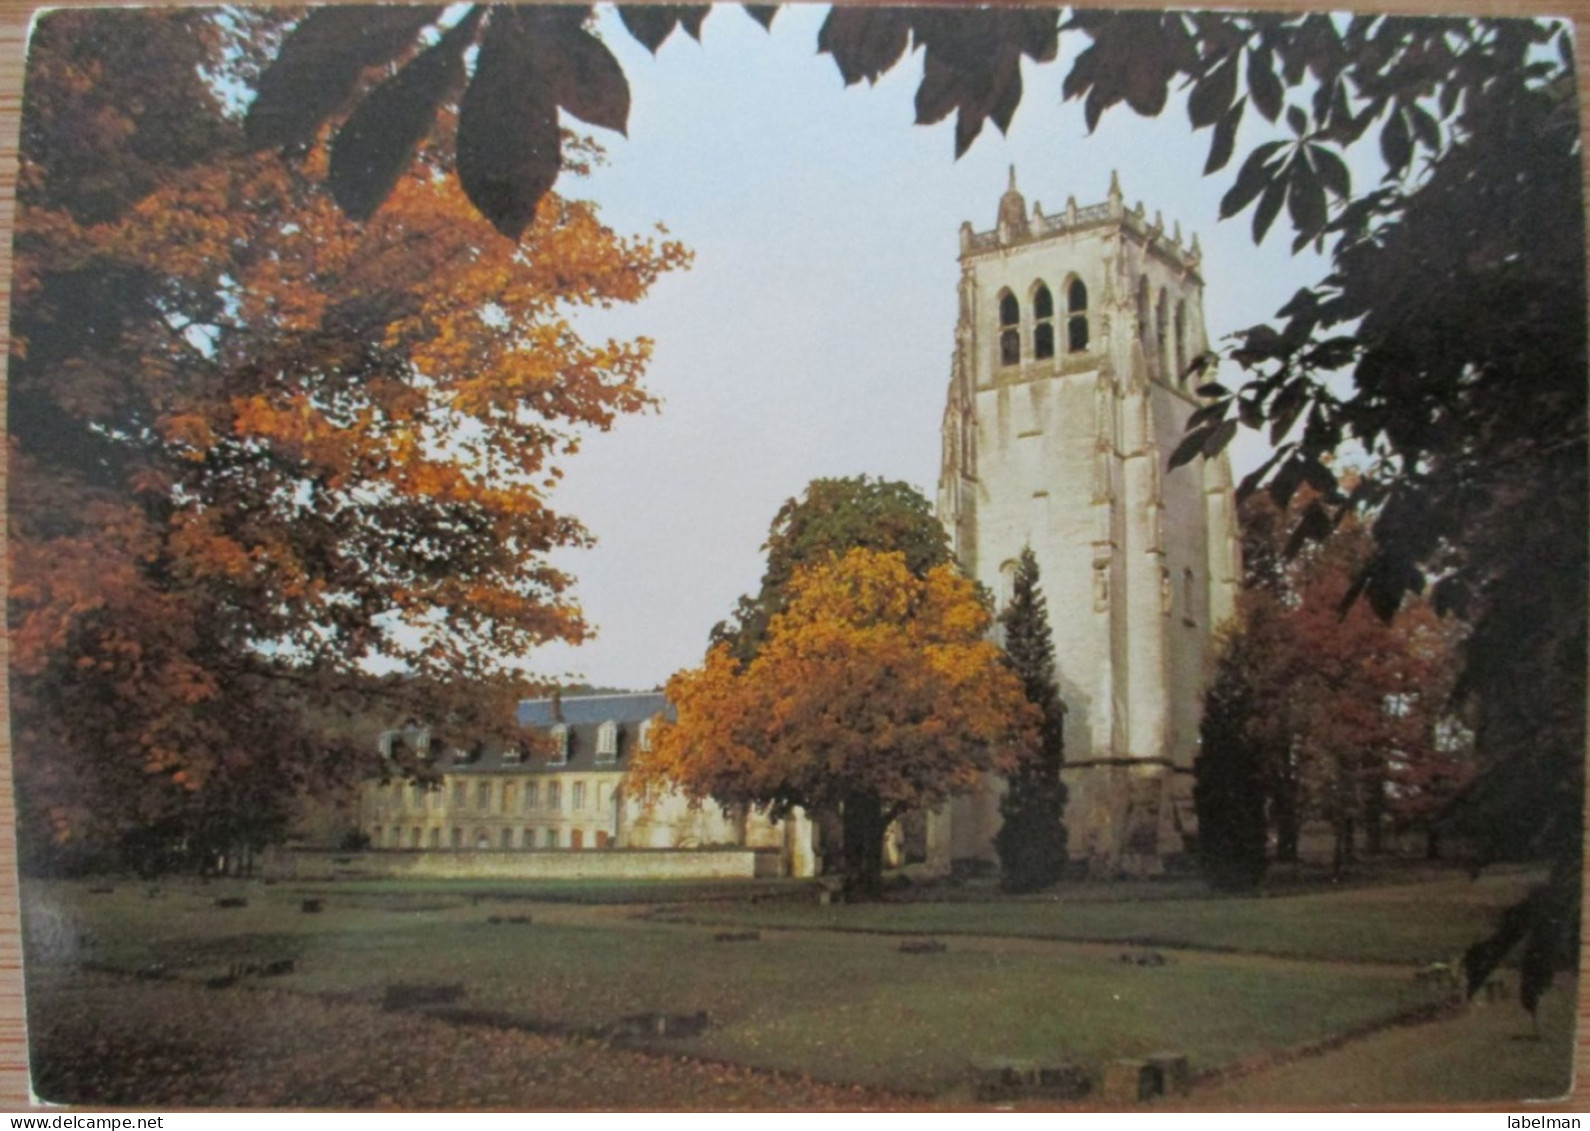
column 527, row 838
column 416, row 797
column 507, row 797
column 375, row 837
column 552, row 838
column 414, row 837
column 482, row 841
column 645, row 734
column 1043, row 328
column 578, row 800
column 483, row 795
column 554, row 795
column 560, row 745
column 1145, row 328
column 1162, row 332
column 1009, row 329
column 532, row 795
column 458, row 838
column 395, row 837
column 1076, row 316
column 458, row 795
column 602, row 839
column 1181, row 340
column 436, row 838
column 507, row 838
column 576, row 838
column 607, row 742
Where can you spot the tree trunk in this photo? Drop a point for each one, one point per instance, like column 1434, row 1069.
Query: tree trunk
column 862, row 849
column 1283, row 811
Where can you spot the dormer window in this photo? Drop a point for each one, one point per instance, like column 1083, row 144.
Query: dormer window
column 645, row 734
column 607, row 742
column 512, row 754
column 560, row 745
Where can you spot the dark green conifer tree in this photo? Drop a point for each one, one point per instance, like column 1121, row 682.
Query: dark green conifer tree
column 1032, row 841
column 1230, row 780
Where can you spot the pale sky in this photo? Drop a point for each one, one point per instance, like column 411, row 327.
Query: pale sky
column 813, row 335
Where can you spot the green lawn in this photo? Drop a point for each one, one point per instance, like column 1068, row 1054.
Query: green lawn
column 1407, row 923
column 833, row 1005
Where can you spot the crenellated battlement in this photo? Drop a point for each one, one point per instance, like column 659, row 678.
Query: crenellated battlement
column 1017, row 228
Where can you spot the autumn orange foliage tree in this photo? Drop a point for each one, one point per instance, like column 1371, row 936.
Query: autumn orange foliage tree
column 259, row 450
column 875, row 692
column 1354, row 715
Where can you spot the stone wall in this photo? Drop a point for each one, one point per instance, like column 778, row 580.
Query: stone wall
column 569, row 864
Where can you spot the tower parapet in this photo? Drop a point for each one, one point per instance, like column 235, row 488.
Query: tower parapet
column 1039, row 227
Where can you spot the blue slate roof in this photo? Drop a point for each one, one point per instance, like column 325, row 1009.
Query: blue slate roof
column 579, row 710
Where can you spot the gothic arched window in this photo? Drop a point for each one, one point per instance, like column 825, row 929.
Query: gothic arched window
column 1043, row 317
column 1009, row 332
column 1181, row 340
column 1076, row 316
column 1145, row 329
column 1162, row 332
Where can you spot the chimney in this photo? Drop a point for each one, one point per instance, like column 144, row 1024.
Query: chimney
column 557, row 704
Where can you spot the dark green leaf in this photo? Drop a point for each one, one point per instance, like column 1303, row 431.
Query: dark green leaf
column 1212, row 95
column 691, row 17
column 1288, row 406
column 865, row 42
column 650, row 24
column 1263, row 86
column 1286, row 482
column 939, row 93
column 1269, row 207
column 1425, row 127
column 1314, row 526
column 1213, row 389
column 1219, row 438
column 1209, row 413
column 1296, row 120
column 1332, row 170
column 585, row 78
column 1305, row 201
column 762, row 13
column 1251, row 180
column 377, row 143
column 509, row 145
column 1192, row 444
column 320, row 64
column 1225, row 138
column 1250, row 482
column 1396, row 146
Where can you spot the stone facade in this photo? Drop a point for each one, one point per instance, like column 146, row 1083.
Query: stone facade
column 1066, row 398
column 563, row 790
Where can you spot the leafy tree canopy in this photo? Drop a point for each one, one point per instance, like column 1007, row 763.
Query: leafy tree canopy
column 832, row 517
column 257, row 449
column 875, row 692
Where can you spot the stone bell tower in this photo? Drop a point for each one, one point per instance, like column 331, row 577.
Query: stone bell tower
column 1067, row 396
